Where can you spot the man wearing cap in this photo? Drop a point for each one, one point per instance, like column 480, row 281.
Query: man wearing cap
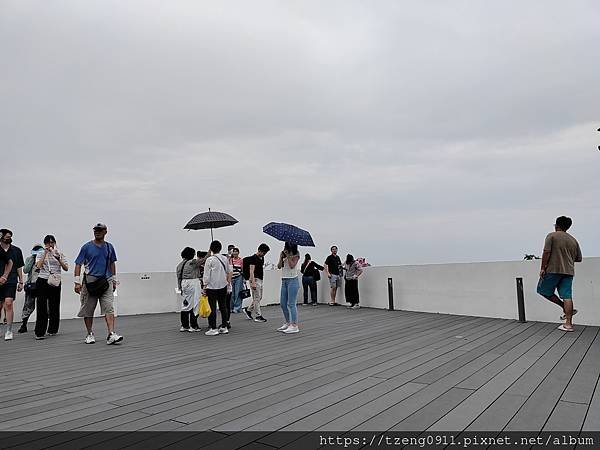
column 99, row 259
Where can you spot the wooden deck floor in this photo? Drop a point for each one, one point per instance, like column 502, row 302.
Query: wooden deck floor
column 364, row 370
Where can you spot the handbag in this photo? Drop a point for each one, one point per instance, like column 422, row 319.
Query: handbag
column 204, row 307
column 53, row 278
column 98, row 286
column 29, row 288
column 245, row 293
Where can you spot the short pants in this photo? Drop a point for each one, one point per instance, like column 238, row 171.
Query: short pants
column 8, row 291
column 556, row 281
column 335, row 281
column 88, row 302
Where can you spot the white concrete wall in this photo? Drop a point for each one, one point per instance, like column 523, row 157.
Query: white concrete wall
column 476, row 289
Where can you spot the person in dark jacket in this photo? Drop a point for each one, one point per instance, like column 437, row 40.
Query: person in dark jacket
column 310, row 276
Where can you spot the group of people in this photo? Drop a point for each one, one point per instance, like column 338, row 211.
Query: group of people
column 224, row 279
column 43, row 287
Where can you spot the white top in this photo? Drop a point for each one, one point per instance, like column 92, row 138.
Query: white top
column 51, row 264
column 286, row 272
column 215, row 273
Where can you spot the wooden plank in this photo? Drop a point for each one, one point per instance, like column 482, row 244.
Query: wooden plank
column 277, row 416
column 581, row 387
column 529, row 339
column 498, row 414
column 537, row 408
column 566, row 417
column 431, row 413
column 372, row 408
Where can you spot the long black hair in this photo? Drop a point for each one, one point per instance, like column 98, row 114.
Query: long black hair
column 349, row 259
column 292, row 249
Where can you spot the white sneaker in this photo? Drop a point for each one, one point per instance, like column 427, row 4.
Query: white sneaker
column 291, row 329
column 90, row 339
column 357, row 306
column 223, row 330
column 183, row 329
column 113, row 338
column 283, row 327
column 8, row 336
column 212, row 332
column 194, row 330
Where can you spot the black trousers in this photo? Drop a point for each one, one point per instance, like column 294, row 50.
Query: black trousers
column 351, row 291
column 189, row 318
column 48, row 308
column 217, row 296
column 309, row 282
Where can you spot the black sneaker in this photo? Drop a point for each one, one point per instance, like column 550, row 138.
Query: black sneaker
column 260, row 319
column 23, row 329
column 229, row 325
column 248, row 314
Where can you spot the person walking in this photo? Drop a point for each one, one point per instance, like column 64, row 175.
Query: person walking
column 333, row 271
column 561, row 252
column 288, row 263
column 50, row 263
column 253, row 270
column 310, row 276
column 217, row 279
column 188, row 282
column 30, row 290
column 237, row 280
column 352, row 271
column 99, row 282
column 11, row 280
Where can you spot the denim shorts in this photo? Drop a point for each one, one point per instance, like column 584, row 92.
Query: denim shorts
column 335, row 281
column 556, row 281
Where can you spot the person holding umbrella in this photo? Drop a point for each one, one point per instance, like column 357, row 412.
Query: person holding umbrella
column 288, row 263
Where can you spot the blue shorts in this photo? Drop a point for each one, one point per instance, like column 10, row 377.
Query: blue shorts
column 556, row 281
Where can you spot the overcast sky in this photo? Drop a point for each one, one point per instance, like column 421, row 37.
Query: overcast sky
column 404, row 132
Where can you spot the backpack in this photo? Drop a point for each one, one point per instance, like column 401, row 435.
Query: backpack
column 246, row 267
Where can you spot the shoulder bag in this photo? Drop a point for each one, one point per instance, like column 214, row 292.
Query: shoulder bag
column 53, row 278
column 98, row 286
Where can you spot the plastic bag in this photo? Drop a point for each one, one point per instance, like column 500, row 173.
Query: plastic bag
column 203, row 307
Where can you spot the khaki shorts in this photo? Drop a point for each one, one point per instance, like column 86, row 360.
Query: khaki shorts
column 88, row 302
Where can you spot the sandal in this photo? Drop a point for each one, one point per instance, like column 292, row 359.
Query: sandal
column 562, row 327
column 563, row 317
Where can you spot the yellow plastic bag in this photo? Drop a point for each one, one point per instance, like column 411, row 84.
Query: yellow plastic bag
column 204, row 307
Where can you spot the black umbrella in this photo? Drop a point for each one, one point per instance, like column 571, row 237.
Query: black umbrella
column 210, row 219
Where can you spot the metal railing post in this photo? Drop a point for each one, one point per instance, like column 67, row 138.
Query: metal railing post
column 390, row 294
column 521, row 300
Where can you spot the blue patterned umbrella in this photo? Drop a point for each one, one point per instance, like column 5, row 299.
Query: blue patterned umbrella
column 289, row 233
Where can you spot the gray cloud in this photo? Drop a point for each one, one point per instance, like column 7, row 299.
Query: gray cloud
column 406, row 133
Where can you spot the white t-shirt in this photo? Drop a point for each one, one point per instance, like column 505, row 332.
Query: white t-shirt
column 215, row 272
column 286, row 272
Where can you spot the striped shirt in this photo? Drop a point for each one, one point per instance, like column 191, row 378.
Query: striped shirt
column 51, row 264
